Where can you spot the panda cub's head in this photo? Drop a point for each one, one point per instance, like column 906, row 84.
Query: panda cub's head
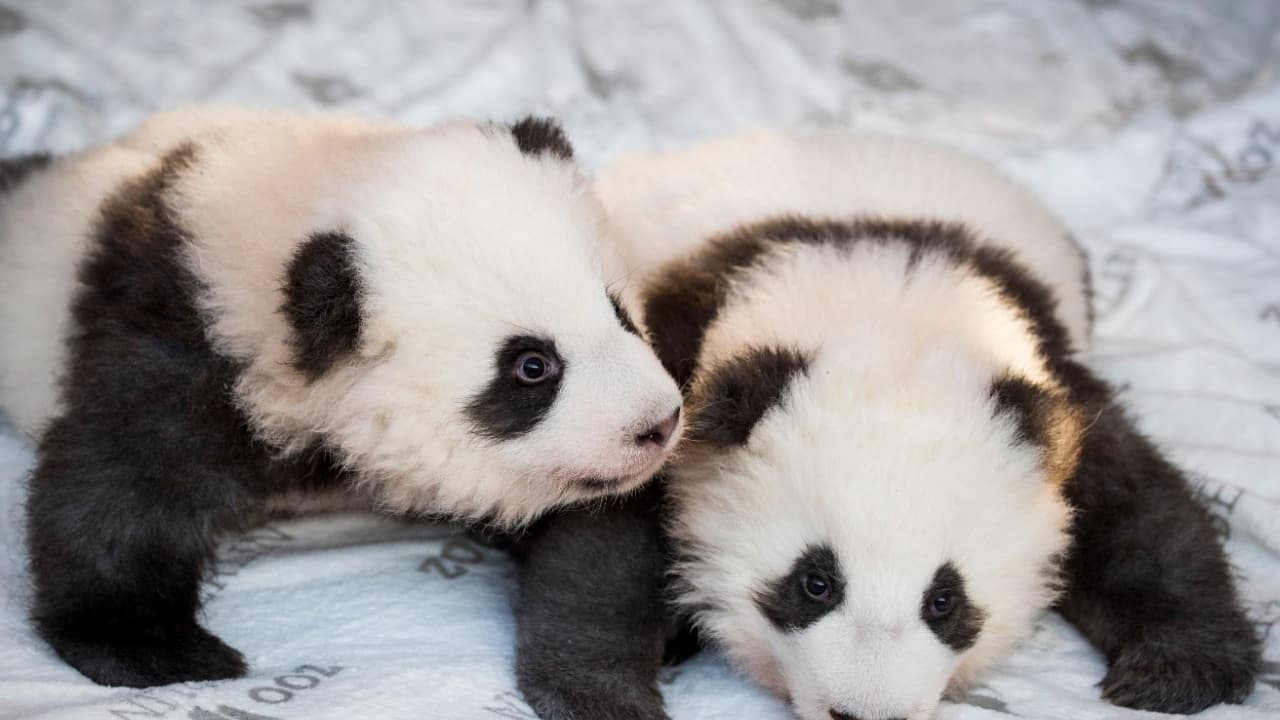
column 868, row 507
column 445, row 324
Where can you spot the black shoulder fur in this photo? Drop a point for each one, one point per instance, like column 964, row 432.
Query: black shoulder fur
column 147, row 462
column 1148, row 581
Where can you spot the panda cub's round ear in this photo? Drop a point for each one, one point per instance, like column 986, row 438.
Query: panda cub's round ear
column 737, row 393
column 322, row 302
column 536, row 136
column 1046, row 419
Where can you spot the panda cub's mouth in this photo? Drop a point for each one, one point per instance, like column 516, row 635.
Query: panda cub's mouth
column 599, row 484
column 609, row 485
column 595, row 486
column 655, row 447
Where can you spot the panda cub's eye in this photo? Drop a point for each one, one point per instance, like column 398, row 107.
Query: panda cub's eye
column 817, row 586
column 533, row 367
column 941, row 604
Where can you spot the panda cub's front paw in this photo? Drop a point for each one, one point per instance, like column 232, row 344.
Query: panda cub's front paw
column 1170, row 678
column 579, row 698
column 153, row 657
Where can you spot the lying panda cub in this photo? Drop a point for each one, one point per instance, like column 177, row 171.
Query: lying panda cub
column 225, row 312
column 896, row 458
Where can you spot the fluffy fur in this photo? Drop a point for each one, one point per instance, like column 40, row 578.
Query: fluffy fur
column 881, row 345
column 229, row 309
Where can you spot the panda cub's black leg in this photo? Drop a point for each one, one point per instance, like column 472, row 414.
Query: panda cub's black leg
column 591, row 623
column 121, row 517
column 1148, row 581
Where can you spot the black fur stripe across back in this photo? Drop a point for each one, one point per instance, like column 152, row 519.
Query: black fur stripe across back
column 116, row 577
column 688, row 294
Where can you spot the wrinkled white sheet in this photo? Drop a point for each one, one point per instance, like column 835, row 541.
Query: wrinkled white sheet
column 1152, row 126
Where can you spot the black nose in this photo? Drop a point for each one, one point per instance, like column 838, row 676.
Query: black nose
column 660, row 433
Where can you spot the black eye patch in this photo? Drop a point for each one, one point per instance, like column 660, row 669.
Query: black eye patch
column 813, row 587
column 948, row 612
column 510, row 405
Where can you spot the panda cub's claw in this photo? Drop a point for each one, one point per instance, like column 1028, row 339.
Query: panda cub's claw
column 1170, row 679
column 159, row 657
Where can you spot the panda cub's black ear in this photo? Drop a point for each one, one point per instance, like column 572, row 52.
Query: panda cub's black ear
column 538, row 135
column 738, row 392
column 1042, row 418
column 322, row 294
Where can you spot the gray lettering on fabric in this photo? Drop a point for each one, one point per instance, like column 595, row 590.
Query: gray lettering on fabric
column 142, row 705
column 1270, row 674
column 327, row 89
column 283, row 689
column 456, row 557
column 226, row 712
column 511, row 705
column 1114, row 280
column 879, row 75
column 1258, row 155
column 1268, row 616
column 11, row 21
column 273, row 15
column 1270, row 313
column 242, row 551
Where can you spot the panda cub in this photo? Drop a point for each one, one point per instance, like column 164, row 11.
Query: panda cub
column 896, row 458
column 230, row 311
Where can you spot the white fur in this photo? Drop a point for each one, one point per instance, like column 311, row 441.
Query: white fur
column 887, row 448
column 461, row 241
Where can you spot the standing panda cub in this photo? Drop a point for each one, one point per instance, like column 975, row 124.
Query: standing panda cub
column 896, row 458
column 227, row 312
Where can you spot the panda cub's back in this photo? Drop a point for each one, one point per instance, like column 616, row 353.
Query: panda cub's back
column 687, row 196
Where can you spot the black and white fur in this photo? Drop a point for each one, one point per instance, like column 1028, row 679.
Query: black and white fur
column 896, row 458
column 232, row 311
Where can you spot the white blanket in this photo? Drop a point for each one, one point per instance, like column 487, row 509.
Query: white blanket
column 1152, row 126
